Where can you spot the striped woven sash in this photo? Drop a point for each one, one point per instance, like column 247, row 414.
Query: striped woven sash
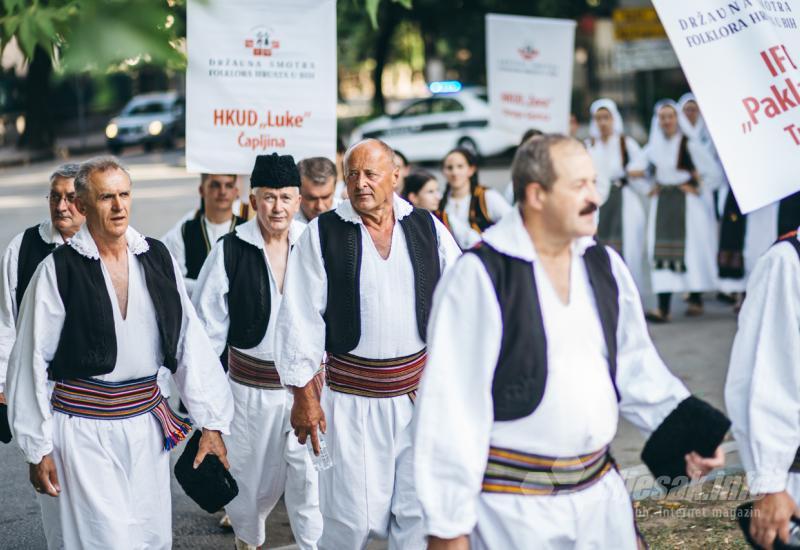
column 89, row 398
column 376, row 377
column 252, row 372
column 528, row 474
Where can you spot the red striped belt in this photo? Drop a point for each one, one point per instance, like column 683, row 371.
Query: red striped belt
column 376, row 377
column 89, row 398
column 252, row 372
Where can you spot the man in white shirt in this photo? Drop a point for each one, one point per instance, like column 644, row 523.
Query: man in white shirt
column 102, row 314
column 358, row 287
column 537, row 344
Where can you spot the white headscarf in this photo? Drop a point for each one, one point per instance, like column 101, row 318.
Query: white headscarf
column 698, row 131
column 611, row 107
column 657, row 137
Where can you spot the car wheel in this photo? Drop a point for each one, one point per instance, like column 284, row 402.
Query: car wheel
column 148, row 146
column 469, row 145
column 115, row 149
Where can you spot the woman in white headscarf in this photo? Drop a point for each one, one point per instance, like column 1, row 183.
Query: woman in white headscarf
column 622, row 217
column 682, row 230
column 743, row 238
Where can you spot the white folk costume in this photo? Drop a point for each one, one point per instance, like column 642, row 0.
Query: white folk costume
column 107, row 426
column 237, row 299
column 373, row 328
column 682, row 228
column 761, row 389
column 19, row 263
column 190, row 242
column 477, row 211
column 622, row 217
column 516, row 378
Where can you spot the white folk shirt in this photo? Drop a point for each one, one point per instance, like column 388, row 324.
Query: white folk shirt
column 9, row 308
column 202, row 383
column 761, row 391
column 579, row 410
column 388, row 315
column 211, row 292
column 458, row 213
column 174, row 243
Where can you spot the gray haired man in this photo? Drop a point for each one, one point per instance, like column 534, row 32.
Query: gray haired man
column 317, row 188
column 19, row 262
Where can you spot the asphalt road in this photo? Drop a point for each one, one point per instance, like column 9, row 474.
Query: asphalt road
column 696, row 349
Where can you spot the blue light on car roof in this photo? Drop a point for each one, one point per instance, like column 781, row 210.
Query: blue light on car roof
column 445, row 87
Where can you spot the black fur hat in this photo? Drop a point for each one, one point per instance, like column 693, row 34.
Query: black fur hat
column 211, row 486
column 275, row 171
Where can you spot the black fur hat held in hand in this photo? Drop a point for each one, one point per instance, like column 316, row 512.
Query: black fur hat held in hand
column 211, row 486
column 275, row 171
column 694, row 425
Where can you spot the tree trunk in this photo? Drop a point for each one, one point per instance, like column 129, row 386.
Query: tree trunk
column 382, row 48
column 39, row 133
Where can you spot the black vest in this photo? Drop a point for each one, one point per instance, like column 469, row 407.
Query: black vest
column 196, row 244
column 521, row 372
column 249, row 299
column 341, row 246
column 88, row 344
column 32, row 251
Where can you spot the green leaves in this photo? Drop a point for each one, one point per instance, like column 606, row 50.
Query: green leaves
column 373, row 5
column 35, row 25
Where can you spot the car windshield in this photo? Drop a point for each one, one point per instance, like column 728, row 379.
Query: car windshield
column 150, row 108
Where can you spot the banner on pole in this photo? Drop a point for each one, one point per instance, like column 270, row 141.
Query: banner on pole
column 529, row 72
column 261, row 79
column 741, row 59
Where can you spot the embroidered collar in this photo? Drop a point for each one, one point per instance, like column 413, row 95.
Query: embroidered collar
column 510, row 237
column 347, row 213
column 84, row 244
column 50, row 234
column 250, row 233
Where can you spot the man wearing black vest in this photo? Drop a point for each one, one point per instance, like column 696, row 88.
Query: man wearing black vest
column 537, row 342
column 101, row 315
column 761, row 392
column 191, row 240
column 238, row 294
column 19, row 262
column 359, row 287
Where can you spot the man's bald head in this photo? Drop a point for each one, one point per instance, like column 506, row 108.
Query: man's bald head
column 370, row 175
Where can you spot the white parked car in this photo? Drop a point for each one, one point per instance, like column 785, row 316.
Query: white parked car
column 426, row 129
column 148, row 119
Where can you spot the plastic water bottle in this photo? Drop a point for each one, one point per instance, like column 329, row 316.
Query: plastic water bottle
column 323, row 460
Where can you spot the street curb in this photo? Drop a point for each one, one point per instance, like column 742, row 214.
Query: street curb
column 26, row 157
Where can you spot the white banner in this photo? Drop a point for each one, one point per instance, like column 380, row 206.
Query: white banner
column 741, row 59
column 529, row 72
column 261, row 79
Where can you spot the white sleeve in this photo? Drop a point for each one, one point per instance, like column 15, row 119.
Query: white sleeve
column 465, row 236
column 300, row 328
column 454, row 409
column 649, row 391
column 210, row 298
column 200, row 379
column 173, row 240
column 641, row 186
column 708, row 167
column 762, row 391
column 39, row 326
column 8, row 305
column 496, row 205
column 449, row 251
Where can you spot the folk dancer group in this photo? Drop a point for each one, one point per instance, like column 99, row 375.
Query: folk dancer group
column 454, row 384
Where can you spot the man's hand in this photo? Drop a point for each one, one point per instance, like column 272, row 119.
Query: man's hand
column 211, row 444
column 458, row 543
column 654, row 191
column 698, row 466
column 44, row 477
column 771, row 515
column 2, row 398
column 307, row 415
